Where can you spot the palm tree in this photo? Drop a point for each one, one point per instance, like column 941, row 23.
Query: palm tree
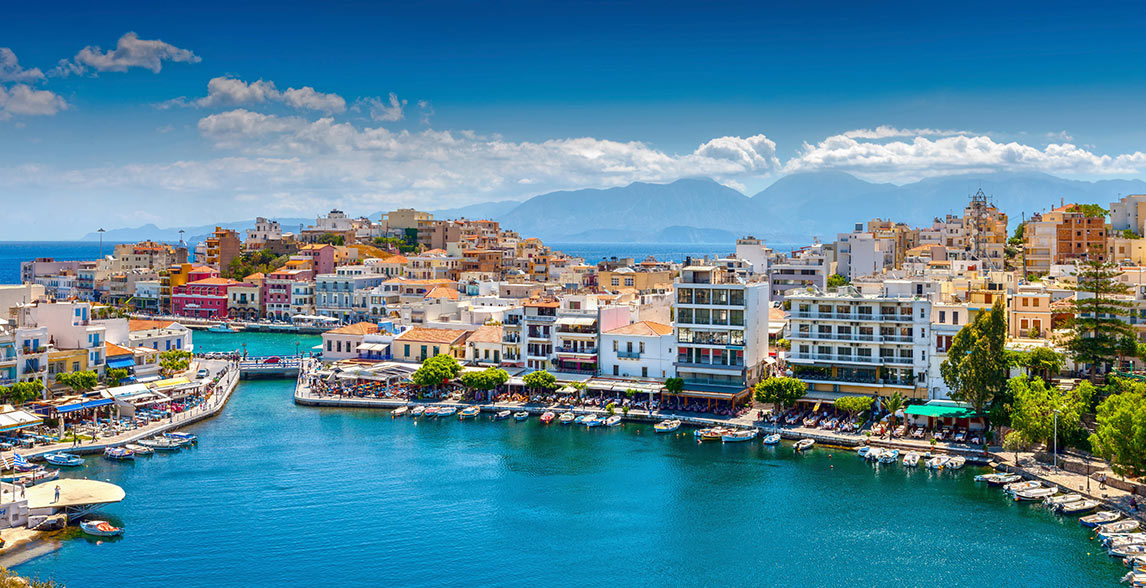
column 893, row 404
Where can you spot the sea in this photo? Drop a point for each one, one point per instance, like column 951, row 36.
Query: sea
column 281, row 495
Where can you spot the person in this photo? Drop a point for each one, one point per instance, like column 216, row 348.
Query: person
column 57, row 493
column 1133, row 503
column 1102, row 481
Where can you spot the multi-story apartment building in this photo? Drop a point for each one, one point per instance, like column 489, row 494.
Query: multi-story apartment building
column 539, row 317
column 1129, row 214
column 208, row 298
column 244, row 301
column 302, row 298
column 576, row 334
column 148, row 255
column 847, row 342
column 345, row 294
column 860, row 253
column 278, row 292
column 721, row 329
column 1030, row 312
column 67, row 325
column 807, row 267
column 222, row 247
column 265, row 230
column 178, row 275
column 947, row 318
column 1062, row 236
column 644, row 349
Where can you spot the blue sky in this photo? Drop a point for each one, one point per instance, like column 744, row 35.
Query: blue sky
column 499, row 101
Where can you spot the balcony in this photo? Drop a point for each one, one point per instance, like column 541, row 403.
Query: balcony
column 851, row 316
column 845, row 379
column 629, row 354
column 540, row 319
column 832, row 357
column 696, row 364
column 511, row 338
column 576, row 350
column 898, row 360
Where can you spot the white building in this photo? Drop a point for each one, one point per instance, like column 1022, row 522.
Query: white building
column 159, row 335
column 946, row 320
column 265, row 230
column 1129, row 213
column 641, row 350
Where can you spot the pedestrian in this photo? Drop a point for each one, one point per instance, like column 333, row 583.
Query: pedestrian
column 57, row 494
column 1102, row 481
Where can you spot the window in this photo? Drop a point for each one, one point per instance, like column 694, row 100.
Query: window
column 644, row 372
column 942, row 316
column 406, row 351
column 642, row 346
column 616, row 370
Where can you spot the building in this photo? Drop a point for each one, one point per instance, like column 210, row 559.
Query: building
column 721, row 329
column 321, row 256
column 1062, row 236
column 178, row 275
column 421, row 343
column 223, row 247
column 807, row 267
column 845, row 342
column 159, row 335
column 484, row 346
column 345, row 294
column 643, row 349
column 265, row 230
column 244, row 301
column 1030, row 312
column 343, row 342
column 403, row 219
column 1129, row 214
column 206, row 299
column 278, row 292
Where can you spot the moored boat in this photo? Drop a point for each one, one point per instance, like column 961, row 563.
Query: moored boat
column 1099, row 518
column 889, row 456
column 592, row 421
column 1055, row 501
column 711, row 434
column 1004, row 479
column 863, row 451
column 101, row 529
column 567, row 418
column 520, row 416
column 32, row 477
column 431, row 411
column 804, row 444
column 738, row 435
column 502, row 415
column 773, row 439
column 911, row 459
column 119, row 453
column 139, row 449
column 400, row 411
column 469, row 412
column 667, row 426
column 874, row 454
column 1020, row 486
column 937, row 462
column 1124, row 526
column 183, row 436
column 1078, row 506
column 956, row 462
column 547, row 417
column 60, row 458
column 417, row 411
column 222, row 328
column 580, row 419
column 447, row 411
column 1033, row 494
column 161, row 444
column 613, row 421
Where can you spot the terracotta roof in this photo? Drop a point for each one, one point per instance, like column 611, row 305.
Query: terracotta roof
column 435, row 252
column 212, row 282
column 147, row 325
column 114, row 350
column 543, row 304
column 254, row 276
column 362, row 328
column 486, row 334
column 775, row 314
column 201, row 268
column 442, row 292
column 643, row 328
column 397, row 259
column 428, row 335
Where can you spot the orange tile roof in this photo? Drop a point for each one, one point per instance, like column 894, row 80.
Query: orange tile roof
column 363, row 328
column 147, row 325
column 397, row 259
column 643, row 328
column 428, row 335
column 486, row 334
column 442, row 292
column 255, row 276
column 212, row 282
column 114, row 350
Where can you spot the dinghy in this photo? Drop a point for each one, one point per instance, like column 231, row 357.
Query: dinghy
column 567, row 418
column 955, row 462
column 863, row 451
column 161, row 444
column 1099, row 518
column 139, row 449
column 773, row 439
column 417, row 411
column 874, row 454
column 1004, row 479
column 1078, row 506
column 887, row 456
column 592, row 421
column 937, row 462
column 547, row 417
column 447, row 411
column 1056, row 501
column 738, row 436
column 400, row 411
column 119, row 453
column 1125, row 526
column 911, row 459
column 804, row 444
column 431, row 411
column 1033, row 494
column 667, row 426
column 101, row 529
column 613, row 421
column 502, row 415
column 521, row 416
column 469, row 412
column 1020, row 486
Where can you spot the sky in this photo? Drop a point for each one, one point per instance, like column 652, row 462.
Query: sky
column 183, row 114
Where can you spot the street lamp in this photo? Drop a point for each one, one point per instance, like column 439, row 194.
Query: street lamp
column 1056, row 440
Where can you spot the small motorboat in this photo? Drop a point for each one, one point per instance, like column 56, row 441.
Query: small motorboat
column 119, row 453
column 62, row 459
column 874, row 454
column 1004, row 479
column 667, row 426
column 1134, row 554
column 161, row 444
column 567, row 418
column 417, row 411
column 101, row 529
column 222, row 328
column 738, row 435
column 547, row 417
column 431, row 411
column 139, row 449
column 187, row 438
column 711, row 434
column 32, row 477
column 469, row 412
column 1100, row 518
column 1020, row 486
column 180, row 441
column 1122, row 540
column 956, row 462
column 613, row 421
column 773, row 439
column 400, row 411
column 804, row 444
column 863, row 451
column 889, row 456
column 502, row 415
column 520, row 416
column 1124, row 526
column 937, row 462
column 447, row 411
column 1078, row 506
column 988, row 477
column 1056, row 501
column 1033, row 494
column 580, row 419
column 592, row 421
column 911, row 459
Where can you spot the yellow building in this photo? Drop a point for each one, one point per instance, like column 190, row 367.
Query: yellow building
column 642, row 281
column 1030, row 312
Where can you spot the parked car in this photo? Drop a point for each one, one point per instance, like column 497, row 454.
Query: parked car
column 202, row 373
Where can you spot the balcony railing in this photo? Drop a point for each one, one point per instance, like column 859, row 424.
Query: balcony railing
column 511, row 339
column 851, row 316
column 833, row 357
column 577, row 350
column 629, row 354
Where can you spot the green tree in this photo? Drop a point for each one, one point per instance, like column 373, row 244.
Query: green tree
column 1043, row 362
column 114, row 375
column 1089, row 210
column 1120, row 437
column 837, row 280
column 21, row 392
column 674, row 385
column 854, row 405
column 1126, row 347
column 331, row 238
column 540, row 380
column 780, row 392
column 487, row 379
column 972, row 369
column 1035, row 405
column 1015, row 441
column 892, row 406
column 436, row 371
column 79, row 381
column 1099, row 302
column 174, row 361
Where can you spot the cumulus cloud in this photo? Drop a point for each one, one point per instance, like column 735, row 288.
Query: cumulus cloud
column 427, row 110
column 23, row 100
column 130, row 51
column 11, row 71
column 922, row 157
column 890, row 132
column 229, row 91
column 382, row 111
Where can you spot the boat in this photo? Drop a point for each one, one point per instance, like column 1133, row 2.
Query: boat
column 1134, row 554
column 447, row 411
column 1078, row 506
column 937, row 462
column 101, row 529
column 119, row 453
column 1101, row 517
column 667, row 426
column 804, row 444
column 139, row 449
column 592, row 421
column 161, row 444
column 183, row 439
column 32, row 477
column 1004, row 479
column 547, row 417
column 567, row 418
column 417, row 411
column 773, row 439
column 520, row 416
column 738, row 435
column 911, row 459
column 889, row 456
column 1020, row 486
column 875, row 454
column 400, row 411
column 956, row 462
column 580, row 419
column 1121, row 540
column 863, row 451
column 990, row 478
column 613, row 421
column 222, row 328
column 64, row 459
column 431, row 411
column 1035, row 494
column 502, row 415
column 469, row 412
column 1116, row 527
column 1056, row 501
column 711, row 434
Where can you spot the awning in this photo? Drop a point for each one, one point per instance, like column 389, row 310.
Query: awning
column 82, row 405
column 170, row 383
column 120, row 362
column 581, row 322
column 373, row 347
column 940, row 411
column 129, row 390
column 18, row 419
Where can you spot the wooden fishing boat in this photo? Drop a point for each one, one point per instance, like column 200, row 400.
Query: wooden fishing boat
column 447, row 411
column 1124, row 526
column 101, row 529
column 613, row 421
column 520, row 416
column 1004, row 479
column 417, row 411
column 956, row 462
column 1078, row 506
column 804, row 444
column 937, row 462
column 1099, row 518
column 592, row 421
column 773, row 439
column 1033, row 494
column 160, row 444
column 667, row 426
column 738, row 435
column 119, row 453
column 502, row 415
column 1020, row 487
column 547, row 417
column 567, row 418
column 1056, row 501
column 62, row 459
column 711, row 434
column 32, row 477
column 139, row 449
column 400, row 411
column 469, row 412
column 431, row 411
column 889, row 456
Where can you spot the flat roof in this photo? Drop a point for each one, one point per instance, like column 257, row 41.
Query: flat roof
column 73, row 492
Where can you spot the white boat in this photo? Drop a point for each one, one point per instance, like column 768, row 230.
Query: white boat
column 863, row 451
column 138, row 449
column 874, row 454
column 1035, row 494
column 447, row 411
column 667, row 426
column 911, row 459
column 613, row 421
column 222, row 328
column 1003, row 479
column 1121, row 540
column 417, row 410
column 520, row 416
column 592, row 421
column 469, row 412
column 956, row 462
column 505, row 414
column 773, row 439
column 804, row 444
column 1020, row 486
column 400, row 411
column 567, row 418
column 160, row 443
column 1078, row 506
column 937, row 462
column 547, row 417
column 1099, row 518
column 101, row 529
column 889, row 456
column 1116, row 527
column 1062, row 499
column 738, row 435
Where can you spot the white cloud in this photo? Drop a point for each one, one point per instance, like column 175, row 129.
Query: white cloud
column 130, row 51
column 10, row 70
column 229, row 91
column 427, row 110
column 381, row 111
column 890, row 132
column 903, row 161
column 22, row 100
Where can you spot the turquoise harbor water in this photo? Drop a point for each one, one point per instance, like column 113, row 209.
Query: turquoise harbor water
column 278, row 495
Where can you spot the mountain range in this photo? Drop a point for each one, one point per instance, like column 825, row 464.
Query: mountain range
column 793, row 209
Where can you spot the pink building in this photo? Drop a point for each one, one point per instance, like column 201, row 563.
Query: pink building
column 277, row 292
column 321, row 257
column 206, row 298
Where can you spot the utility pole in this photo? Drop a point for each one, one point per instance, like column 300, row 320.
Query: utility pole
column 101, row 232
column 1056, row 440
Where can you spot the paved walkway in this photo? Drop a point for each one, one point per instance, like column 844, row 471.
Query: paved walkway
column 1068, row 481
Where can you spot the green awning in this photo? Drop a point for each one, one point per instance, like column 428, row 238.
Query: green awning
column 939, row 411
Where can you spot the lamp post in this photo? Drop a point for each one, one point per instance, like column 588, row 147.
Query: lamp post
column 101, row 232
column 1056, row 440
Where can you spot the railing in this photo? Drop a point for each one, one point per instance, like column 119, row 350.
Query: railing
column 540, row 318
column 699, row 364
column 831, row 357
column 851, row 316
column 576, row 331
column 579, row 350
column 899, row 360
column 511, row 339
column 629, row 354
